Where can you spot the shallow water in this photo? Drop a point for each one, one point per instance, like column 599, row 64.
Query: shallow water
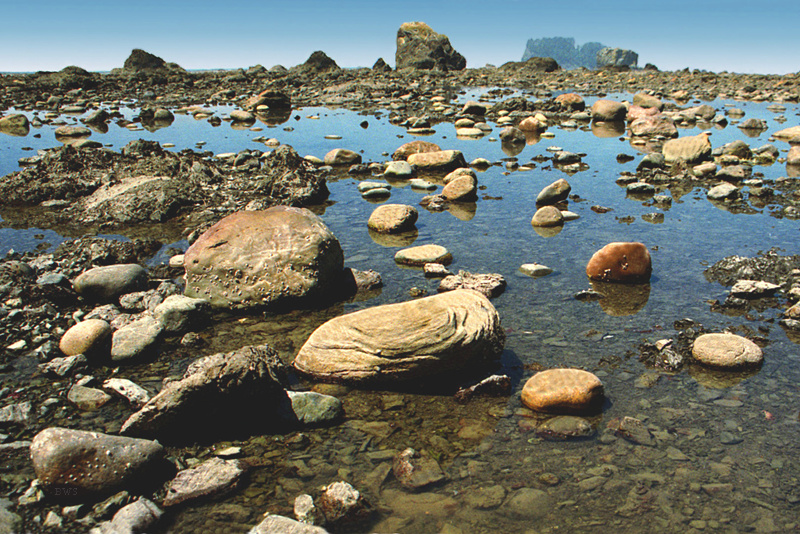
column 725, row 453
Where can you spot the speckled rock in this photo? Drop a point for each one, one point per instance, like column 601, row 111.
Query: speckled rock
column 572, row 391
column 571, row 101
column 107, row 283
column 461, row 189
column 726, row 351
column 490, row 285
column 91, row 462
column 341, row 503
column 90, row 337
column 620, row 262
column 457, row 330
column 416, row 471
column 256, row 258
column 211, row 478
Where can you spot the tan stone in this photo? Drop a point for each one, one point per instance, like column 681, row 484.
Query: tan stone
column 726, row 350
column 414, row 147
column 461, row 189
column 563, row 391
column 443, row 160
column 608, row 110
column 571, row 101
column 647, row 101
column 547, row 216
column 689, row 149
column 87, row 337
column 392, row 218
column 620, row 262
column 423, row 254
column 530, row 124
column 342, row 156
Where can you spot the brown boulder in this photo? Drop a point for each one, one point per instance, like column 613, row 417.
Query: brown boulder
column 342, row 156
column 462, row 188
column 690, row 149
column 620, row 262
column 563, row 391
column 443, row 160
column 414, row 147
column 392, row 218
column 547, row 216
column 608, row 110
column 87, row 337
column 571, row 101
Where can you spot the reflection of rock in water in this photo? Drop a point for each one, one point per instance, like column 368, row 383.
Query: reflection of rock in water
column 548, row 231
column 716, row 379
column 464, row 211
column 99, row 127
column 403, row 239
column 274, row 117
column 606, row 129
column 512, row 149
column 622, row 299
column 531, row 138
column 793, row 171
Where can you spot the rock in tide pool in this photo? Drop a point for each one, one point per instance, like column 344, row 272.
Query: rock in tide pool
column 535, row 269
column 218, row 393
column 620, row 262
column 137, row 516
column 571, row 391
column 441, row 161
column 257, row 258
column 90, row 337
column 489, row 285
column 547, row 216
column 277, row 524
column 414, row 147
column 392, row 218
column 753, row 289
column 565, row 427
column 342, row 156
column 571, row 101
column 341, row 503
column 691, row 149
column 608, row 110
column 553, row 193
column 313, row 409
column 400, row 169
column 726, row 351
column 461, row 189
column 454, row 331
column 107, row 283
column 212, row 477
column 416, row 471
column 91, row 462
column 419, row 256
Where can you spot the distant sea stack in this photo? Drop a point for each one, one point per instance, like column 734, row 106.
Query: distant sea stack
column 141, row 62
column 564, row 51
column 419, row 47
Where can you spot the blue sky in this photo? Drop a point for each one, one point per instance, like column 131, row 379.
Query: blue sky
column 732, row 35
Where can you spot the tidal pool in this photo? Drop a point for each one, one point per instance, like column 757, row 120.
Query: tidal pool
column 724, row 457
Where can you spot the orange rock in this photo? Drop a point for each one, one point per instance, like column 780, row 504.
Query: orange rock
column 620, row 262
column 414, row 147
column 563, row 391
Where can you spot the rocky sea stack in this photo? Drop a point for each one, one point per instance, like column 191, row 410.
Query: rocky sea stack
column 419, row 47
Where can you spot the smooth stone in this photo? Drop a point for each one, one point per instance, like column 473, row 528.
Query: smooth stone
column 529, row 503
column 420, row 255
column 414, row 147
column 211, row 478
column 535, row 269
column 179, row 313
column 135, row 339
column 137, row 516
column 553, row 193
column 444, row 160
column 87, row 399
column 461, row 189
column 419, row 183
column 572, row 391
column 72, row 131
column 724, row 191
column 398, row 168
column 134, row 393
column 276, row 524
column 342, row 156
column 392, row 218
column 378, row 192
column 689, row 149
column 107, row 283
column 571, row 101
column 470, row 132
column 240, row 115
column 620, row 262
column 91, row 462
column 753, row 289
column 86, row 337
column 547, row 216
column 727, row 351
column 313, row 409
column 363, row 187
column 454, row 331
column 565, row 427
column 608, row 110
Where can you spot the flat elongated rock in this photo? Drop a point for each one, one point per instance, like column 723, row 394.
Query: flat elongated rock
column 212, row 477
column 690, row 149
column 91, row 462
column 490, row 285
column 87, row 337
column 620, row 262
column 392, row 218
column 276, row 524
column 572, row 391
column 87, row 399
column 565, row 427
column 107, row 283
column 216, row 392
column 134, row 393
column 423, row 254
column 259, row 258
column 753, row 289
column 137, row 516
column 443, row 160
column 457, row 330
column 726, row 351
column 414, row 147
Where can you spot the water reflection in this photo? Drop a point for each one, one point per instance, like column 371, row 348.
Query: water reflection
column 402, row 239
column 531, row 138
column 464, row 211
column 606, row 129
column 620, row 300
column 792, row 171
column 717, row 379
column 511, row 149
column 548, row 231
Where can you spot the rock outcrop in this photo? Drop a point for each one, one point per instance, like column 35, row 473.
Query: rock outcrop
column 419, row 47
column 564, row 51
column 617, row 57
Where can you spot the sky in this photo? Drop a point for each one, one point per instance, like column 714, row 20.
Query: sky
column 98, row 35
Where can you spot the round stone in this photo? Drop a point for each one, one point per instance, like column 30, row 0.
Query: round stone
column 563, row 391
column 423, row 254
column 392, row 218
column 87, row 337
column 726, row 351
column 547, row 216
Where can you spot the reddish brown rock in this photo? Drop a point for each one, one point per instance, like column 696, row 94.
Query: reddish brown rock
column 620, row 262
column 414, row 147
column 530, row 124
column 563, row 391
column 637, row 112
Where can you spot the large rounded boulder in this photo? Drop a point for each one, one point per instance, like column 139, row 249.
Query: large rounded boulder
column 620, row 262
column 455, row 331
column 259, row 258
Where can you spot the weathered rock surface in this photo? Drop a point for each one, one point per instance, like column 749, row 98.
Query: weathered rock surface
column 419, row 47
column 104, row 284
column 91, row 462
column 135, row 339
column 341, row 503
column 313, row 409
column 392, row 218
column 289, row 179
column 263, row 257
column 133, row 518
column 179, row 313
column 211, row 478
column 457, row 330
column 416, row 471
column 608, row 110
column 217, row 393
column 572, row 391
column 616, row 57
column 414, row 147
column 620, row 262
column 441, row 161
column 565, row 427
column 342, row 156
column 276, row 524
column 489, row 285
column 690, row 149
column 726, row 351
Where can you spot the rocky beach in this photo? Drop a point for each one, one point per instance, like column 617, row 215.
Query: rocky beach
column 423, row 299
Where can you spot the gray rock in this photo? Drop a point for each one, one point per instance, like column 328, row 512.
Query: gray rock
column 107, row 283
column 753, row 289
column 16, row 414
column 134, row 393
column 633, row 430
column 616, row 57
column 313, row 409
column 213, row 477
column 416, row 471
column 87, row 399
column 490, row 285
column 341, row 503
column 133, row 518
column 244, row 383
column 724, row 191
column 64, row 366
column 134, row 339
column 179, row 313
column 529, row 503
column 726, row 350
column 419, row 47
column 554, row 193
column 400, row 169
column 276, row 524
column 10, row 523
column 91, row 462
column 565, row 427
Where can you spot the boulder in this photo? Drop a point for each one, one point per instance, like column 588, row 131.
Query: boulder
column 342, row 156
column 290, row 180
column 616, row 57
column 547, row 216
column 790, row 135
column 419, row 47
column 218, row 393
column 489, row 285
column 454, row 331
column 240, row 115
column 392, row 218
column 134, row 339
column 727, row 351
column 420, row 255
column 571, row 101
column 620, row 262
column 414, row 147
column 572, row 391
column 135, row 199
column 88, row 337
column 211, row 478
column 531, row 124
column 78, row 463
column 17, row 125
column 692, row 149
column 461, row 189
column 179, row 313
column 608, row 110
column 441, row 161
column 512, row 135
column 647, row 101
column 274, row 100
column 104, row 284
column 653, row 125
column 553, row 193
column 318, row 62
column 259, row 258
column 137, row 516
